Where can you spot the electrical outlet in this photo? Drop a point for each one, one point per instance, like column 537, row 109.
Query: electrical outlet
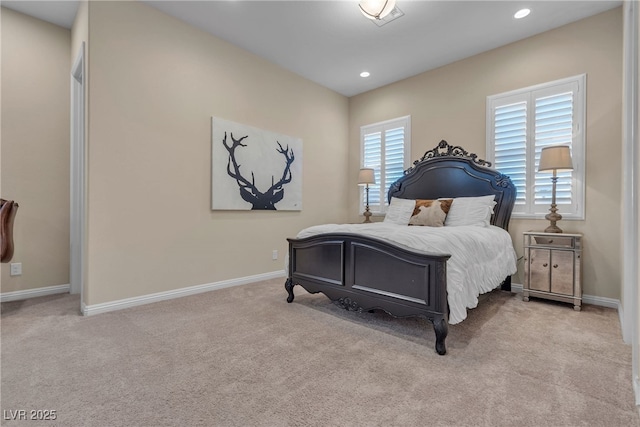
column 16, row 269
column 274, row 254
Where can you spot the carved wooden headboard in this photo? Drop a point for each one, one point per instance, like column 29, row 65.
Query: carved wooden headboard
column 450, row 171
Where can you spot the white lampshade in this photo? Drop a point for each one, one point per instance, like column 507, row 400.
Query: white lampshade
column 557, row 158
column 366, row 176
column 376, row 9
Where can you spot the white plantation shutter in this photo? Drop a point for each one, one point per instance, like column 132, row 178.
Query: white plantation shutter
column 393, row 157
column 511, row 145
column 385, row 148
column 519, row 124
column 372, row 159
column 553, row 126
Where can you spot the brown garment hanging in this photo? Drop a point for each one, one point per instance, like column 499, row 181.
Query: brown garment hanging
column 8, row 209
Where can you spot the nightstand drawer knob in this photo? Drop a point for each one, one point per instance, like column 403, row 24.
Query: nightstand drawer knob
column 555, row 265
column 545, row 264
column 550, row 241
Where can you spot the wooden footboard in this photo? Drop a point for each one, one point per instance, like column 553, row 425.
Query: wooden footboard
column 362, row 273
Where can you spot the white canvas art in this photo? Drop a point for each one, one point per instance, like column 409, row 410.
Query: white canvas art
column 254, row 169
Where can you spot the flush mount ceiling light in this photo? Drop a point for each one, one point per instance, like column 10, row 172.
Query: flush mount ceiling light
column 522, row 13
column 365, row 74
column 376, row 9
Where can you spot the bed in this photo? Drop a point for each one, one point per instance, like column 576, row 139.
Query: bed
column 362, row 271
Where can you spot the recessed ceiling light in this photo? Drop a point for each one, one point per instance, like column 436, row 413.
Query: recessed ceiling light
column 522, row 13
column 365, row 74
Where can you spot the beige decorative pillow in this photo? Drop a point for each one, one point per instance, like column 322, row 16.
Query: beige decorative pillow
column 431, row 213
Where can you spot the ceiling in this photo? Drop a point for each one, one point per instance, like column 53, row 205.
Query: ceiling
column 331, row 42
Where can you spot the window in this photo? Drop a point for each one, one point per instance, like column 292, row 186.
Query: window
column 520, row 123
column 385, row 147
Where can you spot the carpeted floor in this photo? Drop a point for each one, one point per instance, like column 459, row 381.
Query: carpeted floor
column 242, row 356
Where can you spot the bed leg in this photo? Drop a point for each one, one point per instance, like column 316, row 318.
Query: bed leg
column 441, row 327
column 288, row 285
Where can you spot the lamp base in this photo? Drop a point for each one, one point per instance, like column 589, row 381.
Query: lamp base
column 367, row 216
column 553, row 229
column 367, row 212
column 553, row 217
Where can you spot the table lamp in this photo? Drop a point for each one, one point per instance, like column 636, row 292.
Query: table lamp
column 365, row 177
column 555, row 158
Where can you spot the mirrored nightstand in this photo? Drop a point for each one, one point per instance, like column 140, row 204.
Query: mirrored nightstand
column 552, row 267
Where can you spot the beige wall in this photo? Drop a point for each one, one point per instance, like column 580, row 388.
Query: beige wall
column 35, row 148
column 449, row 103
column 154, row 84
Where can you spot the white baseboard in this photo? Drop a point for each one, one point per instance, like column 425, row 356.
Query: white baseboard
column 33, row 293
column 515, row 287
column 587, row 299
column 90, row 310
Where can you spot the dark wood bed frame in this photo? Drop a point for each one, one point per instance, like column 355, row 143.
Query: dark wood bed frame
column 362, row 273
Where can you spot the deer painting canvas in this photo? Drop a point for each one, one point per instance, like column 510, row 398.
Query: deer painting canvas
column 254, row 169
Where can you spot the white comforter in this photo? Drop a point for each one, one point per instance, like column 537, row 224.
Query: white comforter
column 481, row 257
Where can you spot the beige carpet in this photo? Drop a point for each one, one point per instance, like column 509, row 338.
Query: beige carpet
column 242, row 356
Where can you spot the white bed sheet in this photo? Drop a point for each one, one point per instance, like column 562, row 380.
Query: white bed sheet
column 481, row 257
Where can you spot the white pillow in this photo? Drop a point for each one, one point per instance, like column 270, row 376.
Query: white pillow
column 471, row 211
column 400, row 211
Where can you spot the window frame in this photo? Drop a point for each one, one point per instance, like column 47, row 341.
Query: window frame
column 405, row 122
column 578, row 143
